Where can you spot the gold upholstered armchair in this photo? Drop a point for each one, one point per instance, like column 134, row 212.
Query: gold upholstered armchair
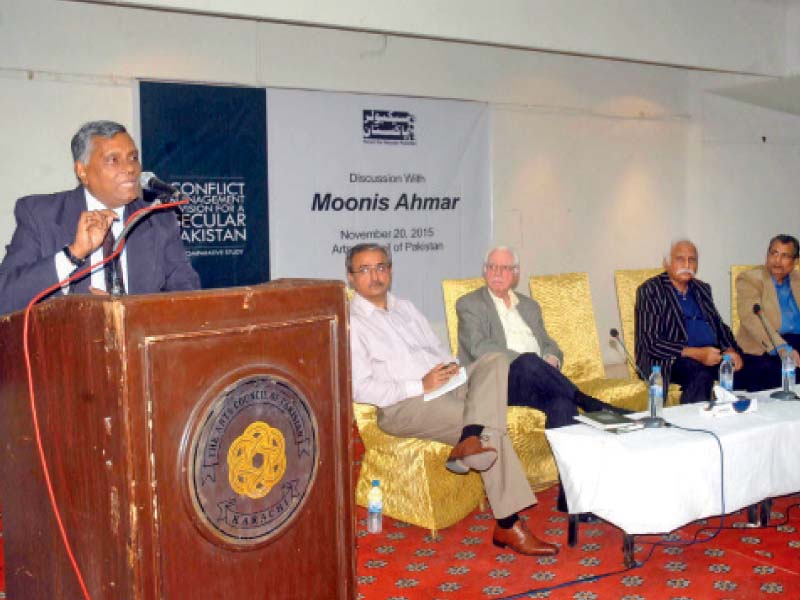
column 525, row 425
column 566, row 301
column 736, row 270
column 626, row 283
column 417, row 488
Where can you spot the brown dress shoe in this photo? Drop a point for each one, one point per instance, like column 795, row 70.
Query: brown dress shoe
column 470, row 453
column 519, row 539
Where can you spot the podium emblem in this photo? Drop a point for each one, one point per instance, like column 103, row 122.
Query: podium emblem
column 256, row 460
column 253, row 460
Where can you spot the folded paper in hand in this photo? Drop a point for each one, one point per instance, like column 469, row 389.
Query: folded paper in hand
column 455, row 381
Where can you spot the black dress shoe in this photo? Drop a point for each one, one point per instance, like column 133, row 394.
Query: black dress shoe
column 590, row 403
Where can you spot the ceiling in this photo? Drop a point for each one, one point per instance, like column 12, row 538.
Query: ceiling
column 781, row 94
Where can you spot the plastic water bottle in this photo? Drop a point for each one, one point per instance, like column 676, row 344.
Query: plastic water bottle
column 726, row 373
column 656, row 385
column 788, row 367
column 375, row 508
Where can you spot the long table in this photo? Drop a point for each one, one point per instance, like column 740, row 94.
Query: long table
column 656, row 480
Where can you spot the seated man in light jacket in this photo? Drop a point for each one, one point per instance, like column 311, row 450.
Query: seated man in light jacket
column 775, row 288
column 494, row 318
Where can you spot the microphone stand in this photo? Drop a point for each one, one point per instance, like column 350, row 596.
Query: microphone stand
column 785, row 393
column 652, row 421
column 116, row 285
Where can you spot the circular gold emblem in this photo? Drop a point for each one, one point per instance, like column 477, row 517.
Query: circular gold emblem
column 256, row 460
column 252, row 460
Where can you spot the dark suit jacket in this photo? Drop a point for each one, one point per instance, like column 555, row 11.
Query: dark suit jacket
column 156, row 258
column 480, row 330
column 659, row 328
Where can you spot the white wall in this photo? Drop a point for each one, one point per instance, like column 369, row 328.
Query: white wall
column 792, row 66
column 596, row 163
column 744, row 182
column 732, row 35
column 588, row 194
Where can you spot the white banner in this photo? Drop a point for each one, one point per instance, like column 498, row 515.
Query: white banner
column 408, row 172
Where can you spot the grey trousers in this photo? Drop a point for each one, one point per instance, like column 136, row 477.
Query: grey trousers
column 482, row 401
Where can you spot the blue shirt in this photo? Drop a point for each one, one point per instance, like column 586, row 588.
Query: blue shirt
column 790, row 314
column 699, row 330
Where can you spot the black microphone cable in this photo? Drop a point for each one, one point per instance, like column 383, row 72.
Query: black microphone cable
column 26, row 352
column 533, row 593
column 716, row 530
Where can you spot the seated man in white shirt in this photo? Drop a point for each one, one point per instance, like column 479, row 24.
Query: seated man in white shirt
column 496, row 319
column 397, row 359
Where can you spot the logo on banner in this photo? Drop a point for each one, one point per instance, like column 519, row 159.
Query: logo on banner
column 389, row 127
column 214, row 223
column 253, row 461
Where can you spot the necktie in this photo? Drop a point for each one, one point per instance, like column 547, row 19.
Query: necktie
column 108, row 245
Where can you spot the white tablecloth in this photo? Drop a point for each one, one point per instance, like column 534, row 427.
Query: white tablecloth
column 656, row 480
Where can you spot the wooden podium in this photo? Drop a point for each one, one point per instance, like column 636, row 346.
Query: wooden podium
column 199, row 445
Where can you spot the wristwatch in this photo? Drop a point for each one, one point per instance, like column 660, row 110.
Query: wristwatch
column 78, row 262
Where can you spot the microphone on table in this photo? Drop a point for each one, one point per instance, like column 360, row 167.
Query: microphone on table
column 785, row 393
column 652, row 420
column 615, row 336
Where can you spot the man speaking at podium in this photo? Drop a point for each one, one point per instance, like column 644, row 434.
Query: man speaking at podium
column 59, row 233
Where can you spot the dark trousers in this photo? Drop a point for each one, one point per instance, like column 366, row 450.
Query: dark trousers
column 769, row 367
column 534, row 383
column 697, row 380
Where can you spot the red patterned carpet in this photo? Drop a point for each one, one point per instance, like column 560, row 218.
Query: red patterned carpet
column 741, row 562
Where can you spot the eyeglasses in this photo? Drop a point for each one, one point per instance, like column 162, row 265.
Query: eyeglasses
column 501, row 268
column 366, row 269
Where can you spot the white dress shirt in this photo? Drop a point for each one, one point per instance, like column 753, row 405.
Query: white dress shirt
column 391, row 351
column 64, row 267
column 519, row 336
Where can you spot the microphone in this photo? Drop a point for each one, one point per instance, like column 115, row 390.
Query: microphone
column 150, row 182
column 760, row 315
column 651, row 421
column 615, row 335
column 785, row 393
